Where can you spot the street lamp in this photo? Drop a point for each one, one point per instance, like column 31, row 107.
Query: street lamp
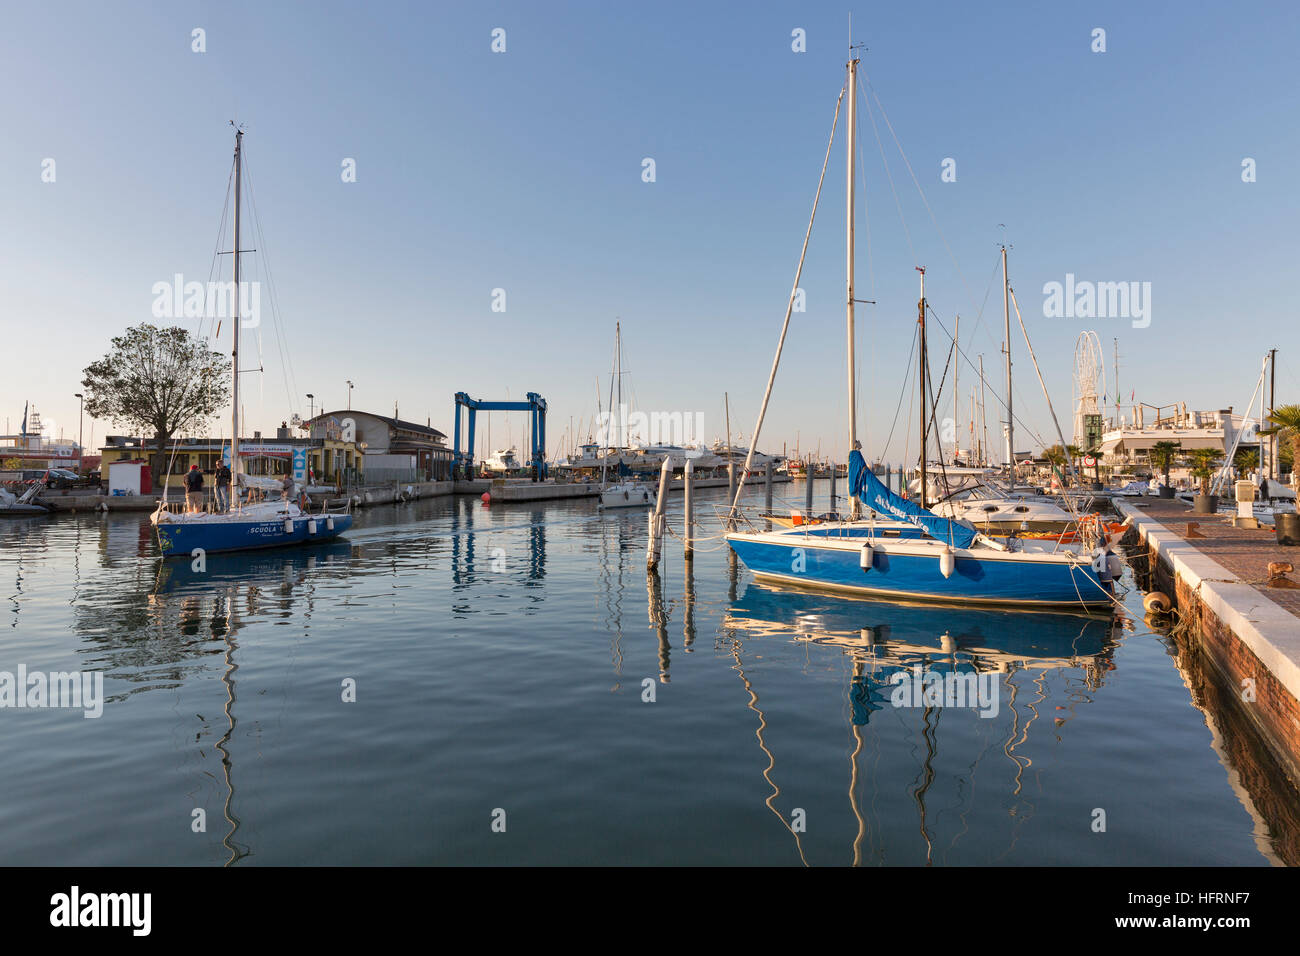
column 349, row 395
column 311, row 406
column 81, row 452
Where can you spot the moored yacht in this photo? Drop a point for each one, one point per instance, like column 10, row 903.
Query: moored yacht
column 248, row 524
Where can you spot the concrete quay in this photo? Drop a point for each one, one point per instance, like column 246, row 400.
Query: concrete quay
column 1244, row 618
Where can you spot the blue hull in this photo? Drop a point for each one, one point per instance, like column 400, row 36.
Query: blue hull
column 181, row 539
column 975, row 580
column 912, row 629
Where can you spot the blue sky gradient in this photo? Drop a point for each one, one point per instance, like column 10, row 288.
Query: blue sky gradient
column 522, row 171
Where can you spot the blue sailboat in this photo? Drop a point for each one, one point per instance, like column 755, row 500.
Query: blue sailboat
column 248, row 525
column 902, row 550
column 923, row 556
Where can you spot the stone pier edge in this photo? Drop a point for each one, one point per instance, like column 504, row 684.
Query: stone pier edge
column 1236, row 617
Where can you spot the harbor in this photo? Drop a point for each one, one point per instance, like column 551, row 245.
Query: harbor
column 603, row 442
column 482, row 604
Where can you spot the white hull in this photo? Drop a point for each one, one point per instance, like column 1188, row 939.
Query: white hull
column 626, row 494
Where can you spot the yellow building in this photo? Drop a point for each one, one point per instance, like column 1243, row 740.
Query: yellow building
column 329, row 460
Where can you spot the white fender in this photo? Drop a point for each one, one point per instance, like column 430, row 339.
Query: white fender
column 311, row 525
column 329, row 522
column 947, row 562
column 864, row 560
column 288, row 526
column 1156, row 603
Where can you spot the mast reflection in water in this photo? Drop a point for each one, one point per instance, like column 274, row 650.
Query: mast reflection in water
column 500, row 658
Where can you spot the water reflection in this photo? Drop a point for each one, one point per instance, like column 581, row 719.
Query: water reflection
column 659, row 621
column 1011, row 652
column 483, row 562
column 217, row 596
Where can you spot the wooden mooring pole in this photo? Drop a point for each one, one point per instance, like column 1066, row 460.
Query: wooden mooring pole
column 655, row 547
column 688, row 504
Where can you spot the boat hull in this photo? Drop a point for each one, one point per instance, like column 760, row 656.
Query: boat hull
column 635, row 496
column 177, row 539
column 910, row 569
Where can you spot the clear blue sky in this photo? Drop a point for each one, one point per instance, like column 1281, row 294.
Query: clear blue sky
column 522, row 171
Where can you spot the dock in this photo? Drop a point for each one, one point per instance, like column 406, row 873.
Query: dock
column 502, row 491
column 1242, row 616
column 509, row 492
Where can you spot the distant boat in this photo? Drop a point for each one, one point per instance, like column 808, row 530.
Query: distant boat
column 623, row 493
column 262, row 524
column 24, row 505
column 503, row 462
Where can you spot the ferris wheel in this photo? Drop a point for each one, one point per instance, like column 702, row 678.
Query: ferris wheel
column 1089, row 374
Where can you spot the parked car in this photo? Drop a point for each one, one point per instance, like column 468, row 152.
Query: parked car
column 64, row 478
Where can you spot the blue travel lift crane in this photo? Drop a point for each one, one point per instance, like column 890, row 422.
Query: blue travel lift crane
column 535, row 405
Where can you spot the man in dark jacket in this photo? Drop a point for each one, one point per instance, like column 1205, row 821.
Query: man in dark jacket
column 194, row 489
column 223, row 487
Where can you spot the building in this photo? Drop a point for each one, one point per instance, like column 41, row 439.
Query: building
column 392, row 449
column 1128, row 442
column 31, row 449
column 328, row 461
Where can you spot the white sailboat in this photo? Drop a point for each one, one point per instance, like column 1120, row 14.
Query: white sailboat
column 621, row 493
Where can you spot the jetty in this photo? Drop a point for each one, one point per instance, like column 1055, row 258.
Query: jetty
column 502, row 491
column 1239, row 602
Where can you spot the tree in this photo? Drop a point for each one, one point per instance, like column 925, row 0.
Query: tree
column 1162, row 456
column 157, row 380
column 1246, row 460
column 1205, row 459
column 1286, row 424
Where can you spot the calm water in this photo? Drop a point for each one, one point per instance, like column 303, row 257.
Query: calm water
column 501, row 658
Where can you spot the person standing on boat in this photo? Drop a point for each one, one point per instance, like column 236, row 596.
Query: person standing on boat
column 223, row 487
column 287, row 486
column 194, row 490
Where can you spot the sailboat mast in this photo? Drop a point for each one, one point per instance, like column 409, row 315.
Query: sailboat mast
column 985, row 451
column 851, row 139
column 234, row 323
column 618, row 360
column 1006, row 316
column 970, row 439
column 956, row 393
column 921, row 366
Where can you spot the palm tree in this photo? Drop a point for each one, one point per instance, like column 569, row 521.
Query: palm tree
column 1247, row 460
column 1286, row 422
column 1162, row 456
column 1205, row 459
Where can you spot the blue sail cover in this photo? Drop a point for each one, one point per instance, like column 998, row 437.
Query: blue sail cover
column 872, row 492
